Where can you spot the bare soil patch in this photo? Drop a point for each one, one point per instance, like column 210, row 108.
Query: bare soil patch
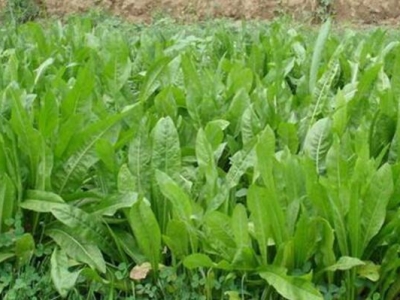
column 355, row 11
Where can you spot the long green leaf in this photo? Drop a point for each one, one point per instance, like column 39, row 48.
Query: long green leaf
column 152, row 79
column 345, row 263
column 74, row 168
column 220, row 234
column 374, row 209
column 177, row 238
column 8, row 201
column 76, row 101
column 317, row 143
column 193, row 87
column 316, row 58
column 110, row 205
column 198, row 260
column 63, row 279
column 41, row 201
column 265, row 150
column 244, row 257
column 181, row 202
column 240, row 226
column 259, row 215
column 166, row 151
column 76, row 248
column 147, row 232
column 241, row 162
column 165, row 157
column 290, row 287
column 139, row 157
column 88, row 226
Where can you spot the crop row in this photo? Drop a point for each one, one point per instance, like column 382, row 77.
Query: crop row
column 263, row 158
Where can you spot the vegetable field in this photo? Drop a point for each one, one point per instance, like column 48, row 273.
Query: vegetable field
column 217, row 160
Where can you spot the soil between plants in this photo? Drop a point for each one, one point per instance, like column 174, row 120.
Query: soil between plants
column 352, row 11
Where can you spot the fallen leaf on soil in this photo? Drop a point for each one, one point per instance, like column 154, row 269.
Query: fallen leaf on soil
column 140, row 272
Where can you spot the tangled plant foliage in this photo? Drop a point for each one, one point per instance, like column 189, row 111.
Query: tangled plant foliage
column 21, row 11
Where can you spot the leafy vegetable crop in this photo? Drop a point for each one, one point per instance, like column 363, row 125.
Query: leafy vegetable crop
column 263, row 153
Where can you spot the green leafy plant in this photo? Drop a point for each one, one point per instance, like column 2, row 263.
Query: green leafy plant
column 21, row 11
column 209, row 162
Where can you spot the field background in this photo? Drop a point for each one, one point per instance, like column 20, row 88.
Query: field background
column 355, row 11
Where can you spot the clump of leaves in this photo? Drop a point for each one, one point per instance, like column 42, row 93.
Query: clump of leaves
column 324, row 9
column 202, row 284
column 21, row 11
column 27, row 283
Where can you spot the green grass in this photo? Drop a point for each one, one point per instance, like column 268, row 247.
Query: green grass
column 238, row 160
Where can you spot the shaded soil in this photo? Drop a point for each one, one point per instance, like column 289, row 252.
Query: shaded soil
column 355, row 11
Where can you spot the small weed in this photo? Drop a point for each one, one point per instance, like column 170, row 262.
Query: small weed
column 324, row 10
column 26, row 283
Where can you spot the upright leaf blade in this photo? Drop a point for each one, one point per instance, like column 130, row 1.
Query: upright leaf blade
column 265, row 150
column 241, row 162
column 166, row 152
column 63, row 279
column 177, row 238
column 377, row 198
column 8, row 201
column 193, row 86
column 316, row 58
column 139, row 157
column 74, row 168
column 219, row 234
column 165, row 157
column 151, row 81
column 259, row 215
column 76, row 101
column 179, row 199
column 317, row 143
column 147, row 232
column 240, row 226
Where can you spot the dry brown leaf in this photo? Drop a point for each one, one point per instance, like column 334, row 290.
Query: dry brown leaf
column 140, row 272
